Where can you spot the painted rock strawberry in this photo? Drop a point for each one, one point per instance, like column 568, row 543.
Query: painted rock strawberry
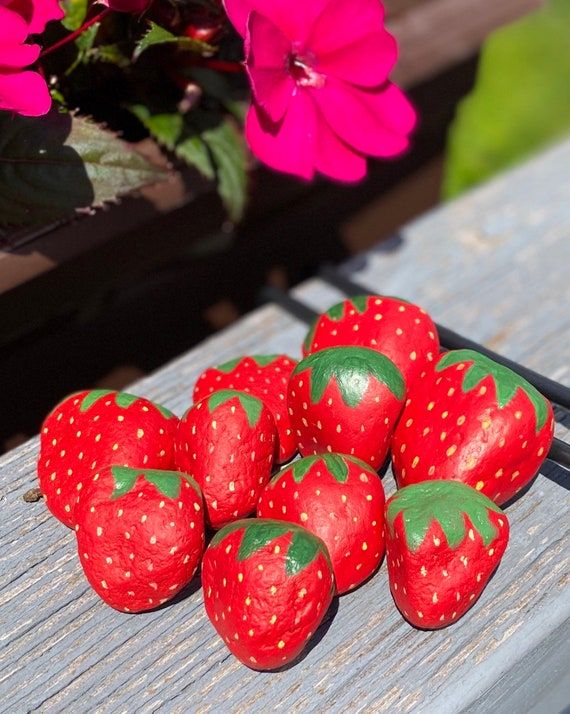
column 340, row 499
column 264, row 376
column 92, row 429
column 227, row 442
column 443, row 542
column 346, row 400
column 140, row 535
column 400, row 330
column 475, row 421
column 267, row 586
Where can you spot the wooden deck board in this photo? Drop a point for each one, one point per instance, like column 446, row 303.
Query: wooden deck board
column 492, row 265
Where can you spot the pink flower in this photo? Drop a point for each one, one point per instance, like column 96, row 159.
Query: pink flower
column 37, row 13
column 23, row 92
column 136, row 7
column 321, row 99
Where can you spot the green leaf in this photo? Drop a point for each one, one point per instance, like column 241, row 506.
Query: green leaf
column 229, row 366
column 125, row 400
column 111, row 54
column 251, row 405
column 93, row 396
column 336, row 312
column 351, row 368
column 300, row 468
column 166, row 482
column 157, row 35
column 53, row 165
column 505, row 380
column 228, row 149
column 360, row 303
column 264, row 360
column 520, row 102
column 303, row 550
column 258, row 534
column 166, row 413
column 75, row 13
column 446, row 502
column 336, row 464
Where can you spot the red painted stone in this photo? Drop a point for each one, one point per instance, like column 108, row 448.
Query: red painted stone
column 341, row 500
column 264, row 376
column 227, row 442
column 400, row 330
column 345, row 400
column 475, row 421
column 267, row 586
column 92, row 429
column 443, row 542
column 140, row 535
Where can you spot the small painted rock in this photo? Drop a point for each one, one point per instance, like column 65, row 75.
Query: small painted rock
column 346, row 400
column 140, row 535
column 400, row 330
column 475, row 421
column 267, row 586
column 443, row 542
column 92, row 429
column 227, row 442
column 263, row 376
column 341, row 500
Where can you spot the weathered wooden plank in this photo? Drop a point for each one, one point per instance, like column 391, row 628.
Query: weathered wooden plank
column 479, row 266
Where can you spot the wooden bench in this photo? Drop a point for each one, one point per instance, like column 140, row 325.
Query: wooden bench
column 492, row 265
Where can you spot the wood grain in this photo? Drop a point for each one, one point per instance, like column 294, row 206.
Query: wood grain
column 492, row 265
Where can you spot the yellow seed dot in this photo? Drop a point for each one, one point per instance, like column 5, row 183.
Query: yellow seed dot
column 304, row 517
column 273, row 619
column 415, row 462
column 461, row 421
column 431, row 470
column 280, row 644
column 486, row 423
column 452, row 449
column 479, row 485
column 430, row 406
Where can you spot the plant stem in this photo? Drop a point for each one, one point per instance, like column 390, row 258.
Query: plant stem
column 69, row 38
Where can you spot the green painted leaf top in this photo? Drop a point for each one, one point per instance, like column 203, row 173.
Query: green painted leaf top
column 167, row 482
column 358, row 302
column 157, row 35
column 351, row 368
column 506, row 381
column 260, row 532
column 336, row 464
column 447, row 502
column 252, row 406
column 122, row 399
column 260, row 360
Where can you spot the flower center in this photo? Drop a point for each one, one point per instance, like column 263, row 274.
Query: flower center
column 299, row 67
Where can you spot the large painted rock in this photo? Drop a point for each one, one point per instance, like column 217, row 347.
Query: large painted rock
column 227, row 442
column 140, row 535
column 473, row 420
column 267, row 586
column 341, row 500
column 96, row 428
column 400, row 330
column 443, row 542
column 263, row 376
column 346, row 400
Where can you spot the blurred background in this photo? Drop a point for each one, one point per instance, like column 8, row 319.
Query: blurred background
column 107, row 298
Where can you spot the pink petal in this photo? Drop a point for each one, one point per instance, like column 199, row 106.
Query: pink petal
column 25, row 93
column 295, row 19
column 335, row 159
column 37, row 13
column 17, row 56
column 267, row 51
column 374, row 122
column 366, row 62
column 343, row 22
column 13, row 29
column 288, row 145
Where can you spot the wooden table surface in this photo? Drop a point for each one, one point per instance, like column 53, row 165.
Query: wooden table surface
column 494, row 266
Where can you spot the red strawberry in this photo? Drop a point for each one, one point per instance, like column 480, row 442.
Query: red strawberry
column 264, row 376
column 346, row 400
column 227, row 442
column 92, row 429
column 140, row 535
column 443, row 542
column 400, row 330
column 267, row 586
column 475, row 421
column 341, row 500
